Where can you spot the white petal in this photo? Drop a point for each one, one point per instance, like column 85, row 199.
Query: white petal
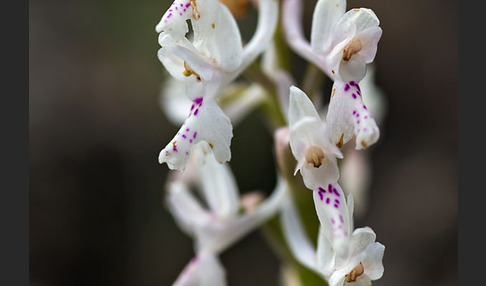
column 203, row 270
column 268, row 12
column 354, row 69
column 334, row 217
column 361, row 239
column 217, row 35
column 217, row 182
column 369, row 38
column 373, row 95
column 342, row 34
column 196, row 61
column 300, row 106
column 294, row 233
column 220, row 237
column 362, row 18
column 174, row 19
column 348, row 115
column 326, row 173
column 187, row 211
column 325, row 254
column 326, row 15
column 206, row 122
column 249, row 99
column 292, row 12
column 350, row 202
column 373, row 261
column 172, row 63
column 173, row 100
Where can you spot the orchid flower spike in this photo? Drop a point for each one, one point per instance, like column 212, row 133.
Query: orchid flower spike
column 222, row 223
column 310, row 144
column 208, row 62
column 343, row 256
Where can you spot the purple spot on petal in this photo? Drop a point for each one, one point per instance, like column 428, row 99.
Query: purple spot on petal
column 354, row 96
column 336, row 192
column 346, row 87
column 187, row 129
column 321, row 195
column 184, row 136
column 366, row 117
column 357, row 122
column 182, row 5
column 327, row 201
column 196, row 111
column 194, row 135
column 187, row 153
column 336, row 201
column 354, row 112
column 322, row 190
column 198, row 101
column 364, row 106
column 190, row 140
column 341, row 218
column 332, row 221
column 336, row 206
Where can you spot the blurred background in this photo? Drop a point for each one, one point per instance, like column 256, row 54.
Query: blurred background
column 96, row 212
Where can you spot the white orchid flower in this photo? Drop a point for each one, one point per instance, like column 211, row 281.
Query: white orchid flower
column 221, row 224
column 342, row 256
column 341, row 43
column 209, row 62
column 310, row 144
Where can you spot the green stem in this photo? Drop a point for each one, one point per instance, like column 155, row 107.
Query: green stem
column 312, row 83
column 270, row 106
